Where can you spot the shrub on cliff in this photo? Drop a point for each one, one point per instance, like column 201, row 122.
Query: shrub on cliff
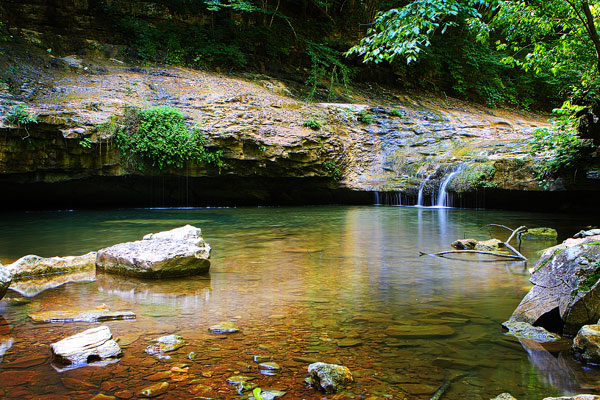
column 160, row 136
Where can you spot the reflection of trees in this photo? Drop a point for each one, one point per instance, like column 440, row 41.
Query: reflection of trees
column 552, row 370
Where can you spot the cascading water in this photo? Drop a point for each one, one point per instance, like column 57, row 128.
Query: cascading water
column 420, row 195
column 443, row 199
column 388, row 198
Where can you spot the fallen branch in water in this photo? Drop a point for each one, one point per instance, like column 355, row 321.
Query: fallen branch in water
column 491, row 253
column 443, row 387
column 516, row 255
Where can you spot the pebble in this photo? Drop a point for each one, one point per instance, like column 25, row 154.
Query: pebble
column 155, row 390
column 224, row 327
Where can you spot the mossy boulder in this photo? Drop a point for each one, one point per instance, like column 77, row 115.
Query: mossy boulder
column 329, row 378
column 540, row 234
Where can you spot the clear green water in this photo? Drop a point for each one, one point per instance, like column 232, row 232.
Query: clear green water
column 299, row 282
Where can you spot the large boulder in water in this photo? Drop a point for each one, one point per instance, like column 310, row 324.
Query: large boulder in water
column 95, row 344
column 586, row 345
column 5, row 280
column 178, row 252
column 566, row 294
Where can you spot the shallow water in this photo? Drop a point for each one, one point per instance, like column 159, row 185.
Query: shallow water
column 300, row 283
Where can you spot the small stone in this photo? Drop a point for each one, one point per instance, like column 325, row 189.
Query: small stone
column 307, row 360
column 192, row 356
column 260, row 359
column 464, row 244
column 124, row 394
column 224, row 327
column 329, row 378
column 165, row 344
column 268, row 395
column 155, row 390
column 273, row 366
column 245, row 387
column 504, row 396
column 101, row 396
column 237, row 379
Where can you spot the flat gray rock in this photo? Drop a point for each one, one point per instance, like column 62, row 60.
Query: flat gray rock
column 178, row 252
column 94, row 344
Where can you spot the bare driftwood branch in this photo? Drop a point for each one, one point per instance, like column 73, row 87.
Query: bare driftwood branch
column 490, row 253
column 517, row 256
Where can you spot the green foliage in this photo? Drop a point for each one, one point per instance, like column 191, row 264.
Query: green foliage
column 325, row 66
column 161, row 137
column 86, row 143
column 313, row 124
column 19, row 115
column 395, row 113
column 334, row 171
column 405, row 32
column 590, row 280
column 558, row 147
column 364, row 117
column 474, row 177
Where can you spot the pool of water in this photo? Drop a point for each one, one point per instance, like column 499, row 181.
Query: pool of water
column 322, row 283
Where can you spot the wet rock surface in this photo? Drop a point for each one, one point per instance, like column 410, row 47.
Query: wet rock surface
column 165, row 344
column 5, row 280
column 224, row 327
column 527, row 331
column 91, row 345
column 464, row 244
column 179, row 252
column 329, row 378
column 80, row 316
column 566, row 295
column 586, row 344
column 540, row 234
column 32, row 265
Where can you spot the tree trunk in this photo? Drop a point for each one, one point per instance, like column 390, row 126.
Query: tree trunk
column 593, row 32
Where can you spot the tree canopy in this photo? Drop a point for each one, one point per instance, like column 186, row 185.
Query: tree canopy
column 558, row 37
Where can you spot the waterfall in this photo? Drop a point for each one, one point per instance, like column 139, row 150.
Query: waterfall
column 388, row 198
column 443, row 199
column 420, row 196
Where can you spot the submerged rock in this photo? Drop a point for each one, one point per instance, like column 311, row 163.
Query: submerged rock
column 586, row 345
column 224, row 327
column 80, row 316
column 165, row 344
column 418, row 331
column 330, row 378
column 578, row 397
column 540, row 234
column 5, row 280
column 32, row 265
column 566, row 294
column 155, row 390
column 94, row 344
column 464, row 244
column 528, row 331
column 178, row 252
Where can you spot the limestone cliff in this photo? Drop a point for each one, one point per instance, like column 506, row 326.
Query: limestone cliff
column 270, row 156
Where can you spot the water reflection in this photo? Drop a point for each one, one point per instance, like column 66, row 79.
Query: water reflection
column 324, row 282
column 186, row 293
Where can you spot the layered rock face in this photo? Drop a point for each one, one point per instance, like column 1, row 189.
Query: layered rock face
column 270, row 157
